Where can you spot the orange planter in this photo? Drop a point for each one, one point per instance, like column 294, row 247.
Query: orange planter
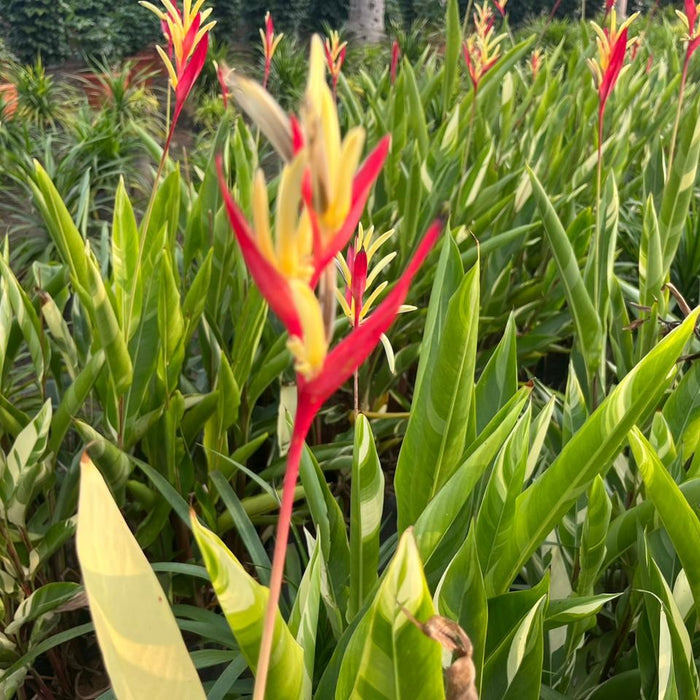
column 8, row 95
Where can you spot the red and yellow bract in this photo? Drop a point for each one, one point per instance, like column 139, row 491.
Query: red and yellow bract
column 321, row 196
column 335, row 57
column 482, row 48
column 395, row 55
column 188, row 42
column 270, row 42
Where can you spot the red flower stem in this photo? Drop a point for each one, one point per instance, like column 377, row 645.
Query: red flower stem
column 302, row 423
column 681, row 93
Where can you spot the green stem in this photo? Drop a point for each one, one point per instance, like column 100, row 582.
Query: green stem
column 676, row 123
column 302, row 423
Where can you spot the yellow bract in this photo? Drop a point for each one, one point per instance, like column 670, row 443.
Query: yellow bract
column 332, row 162
column 290, row 252
column 605, row 41
column 310, row 351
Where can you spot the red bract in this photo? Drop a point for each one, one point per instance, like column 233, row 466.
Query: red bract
column 270, row 43
column 395, row 55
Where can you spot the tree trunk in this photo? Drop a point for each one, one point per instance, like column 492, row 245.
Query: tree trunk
column 621, row 7
column 366, row 20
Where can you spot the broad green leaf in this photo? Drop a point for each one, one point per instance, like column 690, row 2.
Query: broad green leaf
column 595, row 531
column 60, row 333
column 679, row 188
column 41, row 601
column 677, row 515
column 461, row 597
column 586, row 321
column 574, row 412
column 453, row 32
column 514, row 670
column 433, row 526
column 675, row 664
column 332, row 534
column 196, row 297
column 244, row 526
column 26, row 316
column 494, row 522
column 114, row 464
column 682, row 412
column 303, row 621
column 366, row 505
column 143, row 649
column 249, row 328
column 437, row 427
column 24, row 469
column 538, row 435
column 591, row 451
column 414, row 106
column 243, row 601
column 448, row 275
column 171, row 325
column 651, row 270
column 567, row 610
column 128, row 290
column 388, row 656
column 499, row 380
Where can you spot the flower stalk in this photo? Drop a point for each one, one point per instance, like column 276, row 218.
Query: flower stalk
column 321, row 196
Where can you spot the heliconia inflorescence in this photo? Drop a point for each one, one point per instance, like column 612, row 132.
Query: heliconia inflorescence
column 482, row 48
column 612, row 48
column 501, row 6
column 395, row 55
column 689, row 18
column 270, row 42
column 335, row 57
column 320, row 199
column 188, row 42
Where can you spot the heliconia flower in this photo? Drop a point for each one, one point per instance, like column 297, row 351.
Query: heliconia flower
column 188, row 42
column 337, row 188
column 689, row 18
column 609, row 4
column 612, row 47
column 269, row 43
column 395, row 55
column 358, row 279
column 501, row 6
column 222, row 82
column 482, row 49
column 650, row 62
column 335, row 56
column 535, row 61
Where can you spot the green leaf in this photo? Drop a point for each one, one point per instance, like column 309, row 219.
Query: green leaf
column 366, row 505
column 682, row 412
column 651, row 270
column 496, row 514
column 433, row 526
column 591, row 451
column 41, row 601
column 514, row 670
column 26, row 316
column 142, row 647
column 388, row 656
column 330, row 522
column 243, row 601
column 128, row 290
column 568, row 610
column 677, row 515
column 303, row 621
column 244, row 527
column 499, row 380
column 437, row 427
column 679, row 188
column 586, row 321
column 415, row 111
column 171, row 325
column 453, row 32
column 595, row 532
column 448, row 275
column 461, row 596
column 23, row 471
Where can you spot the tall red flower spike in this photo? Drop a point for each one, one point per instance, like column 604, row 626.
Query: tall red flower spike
column 335, row 57
column 395, row 55
column 188, row 42
column 690, row 22
column 269, row 43
column 612, row 47
column 319, row 203
column 481, row 49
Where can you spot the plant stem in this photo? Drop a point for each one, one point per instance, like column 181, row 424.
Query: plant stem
column 302, row 423
column 681, row 92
